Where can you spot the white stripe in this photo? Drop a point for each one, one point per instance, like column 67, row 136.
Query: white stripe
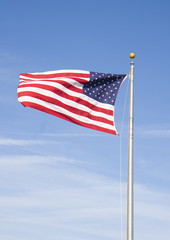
column 51, row 78
column 65, row 112
column 73, row 94
column 62, row 71
column 68, row 102
column 67, row 80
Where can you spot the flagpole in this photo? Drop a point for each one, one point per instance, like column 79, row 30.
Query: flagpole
column 130, row 157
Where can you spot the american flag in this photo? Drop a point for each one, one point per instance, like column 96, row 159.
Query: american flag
column 81, row 97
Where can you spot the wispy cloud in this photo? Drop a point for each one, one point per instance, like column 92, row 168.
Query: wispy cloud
column 61, row 195
column 153, row 204
column 21, row 142
column 73, row 135
column 58, row 193
column 21, row 161
column 157, row 133
column 146, row 132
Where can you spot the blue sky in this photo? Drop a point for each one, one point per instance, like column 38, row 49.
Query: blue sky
column 62, row 181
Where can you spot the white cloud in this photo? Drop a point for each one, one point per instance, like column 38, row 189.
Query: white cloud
column 60, row 197
column 157, row 133
column 59, row 194
column 73, row 135
column 20, row 162
column 153, row 204
column 21, row 142
column 152, row 133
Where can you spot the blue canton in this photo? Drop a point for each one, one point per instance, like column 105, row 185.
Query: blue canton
column 103, row 87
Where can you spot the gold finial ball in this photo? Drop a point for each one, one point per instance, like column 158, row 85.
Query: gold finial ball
column 132, row 55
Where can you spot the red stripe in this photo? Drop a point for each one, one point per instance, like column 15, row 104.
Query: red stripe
column 51, row 75
column 67, row 96
column 71, row 109
column 70, row 119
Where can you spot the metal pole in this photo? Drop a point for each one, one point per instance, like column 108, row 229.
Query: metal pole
column 130, row 158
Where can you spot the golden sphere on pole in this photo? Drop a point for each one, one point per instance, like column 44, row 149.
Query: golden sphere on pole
column 132, row 55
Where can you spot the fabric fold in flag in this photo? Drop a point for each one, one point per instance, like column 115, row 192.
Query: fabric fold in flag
column 81, row 97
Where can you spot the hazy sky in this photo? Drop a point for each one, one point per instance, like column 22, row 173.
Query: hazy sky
column 62, row 181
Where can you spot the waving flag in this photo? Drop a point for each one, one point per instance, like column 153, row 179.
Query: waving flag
column 81, row 97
